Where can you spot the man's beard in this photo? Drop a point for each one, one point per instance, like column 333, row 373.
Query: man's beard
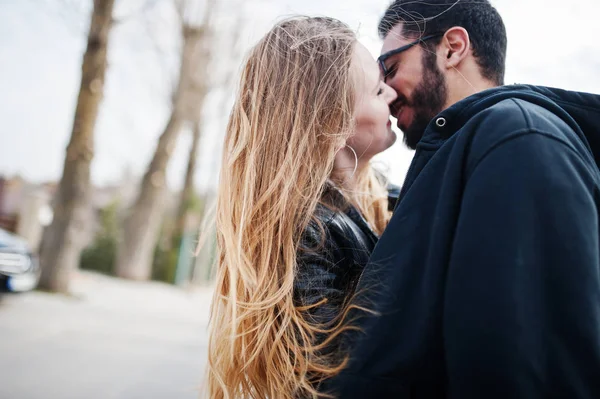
column 428, row 100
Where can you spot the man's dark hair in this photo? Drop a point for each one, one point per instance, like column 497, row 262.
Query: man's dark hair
column 478, row 17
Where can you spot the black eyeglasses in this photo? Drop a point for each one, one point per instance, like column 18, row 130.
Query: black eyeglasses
column 383, row 57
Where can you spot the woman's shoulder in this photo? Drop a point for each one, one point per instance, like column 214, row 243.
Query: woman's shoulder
column 321, row 237
column 330, row 223
column 338, row 236
column 328, row 215
column 338, row 221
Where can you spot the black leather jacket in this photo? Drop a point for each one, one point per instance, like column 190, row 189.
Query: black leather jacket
column 332, row 258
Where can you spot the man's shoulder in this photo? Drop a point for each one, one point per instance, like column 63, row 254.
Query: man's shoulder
column 513, row 118
column 518, row 116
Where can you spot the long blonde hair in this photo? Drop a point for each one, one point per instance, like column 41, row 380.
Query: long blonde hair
column 293, row 113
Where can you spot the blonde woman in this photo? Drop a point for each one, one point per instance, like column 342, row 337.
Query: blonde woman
column 299, row 209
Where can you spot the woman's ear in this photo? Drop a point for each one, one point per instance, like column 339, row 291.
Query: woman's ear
column 455, row 46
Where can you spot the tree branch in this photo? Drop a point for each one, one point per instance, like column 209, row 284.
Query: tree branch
column 144, row 8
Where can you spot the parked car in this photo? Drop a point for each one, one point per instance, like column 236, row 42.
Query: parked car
column 19, row 266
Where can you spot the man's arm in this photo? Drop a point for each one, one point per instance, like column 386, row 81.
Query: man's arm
column 522, row 304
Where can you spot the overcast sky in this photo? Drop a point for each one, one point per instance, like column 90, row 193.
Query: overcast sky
column 550, row 42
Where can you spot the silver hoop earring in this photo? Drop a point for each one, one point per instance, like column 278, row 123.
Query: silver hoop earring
column 355, row 160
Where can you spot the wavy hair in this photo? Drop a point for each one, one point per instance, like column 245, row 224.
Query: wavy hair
column 293, row 113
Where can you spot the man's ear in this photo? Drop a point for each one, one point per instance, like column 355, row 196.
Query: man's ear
column 455, row 46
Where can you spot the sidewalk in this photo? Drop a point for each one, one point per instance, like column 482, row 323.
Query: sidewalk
column 113, row 339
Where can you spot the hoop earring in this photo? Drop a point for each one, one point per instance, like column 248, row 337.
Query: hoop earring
column 355, row 160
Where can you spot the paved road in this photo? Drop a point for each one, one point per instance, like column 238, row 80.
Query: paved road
column 113, row 340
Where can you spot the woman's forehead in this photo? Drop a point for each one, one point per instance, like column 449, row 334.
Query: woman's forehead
column 365, row 70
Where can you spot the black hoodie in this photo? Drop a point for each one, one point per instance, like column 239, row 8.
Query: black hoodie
column 487, row 279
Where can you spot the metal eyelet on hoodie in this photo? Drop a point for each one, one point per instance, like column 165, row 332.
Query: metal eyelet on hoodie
column 440, row 122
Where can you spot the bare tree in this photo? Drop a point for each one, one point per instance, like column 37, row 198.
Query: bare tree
column 62, row 242
column 202, row 268
column 187, row 193
column 141, row 225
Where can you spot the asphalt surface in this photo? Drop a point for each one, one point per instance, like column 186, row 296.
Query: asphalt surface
column 112, row 339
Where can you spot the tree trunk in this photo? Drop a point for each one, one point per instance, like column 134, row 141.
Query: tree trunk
column 62, row 243
column 187, row 194
column 142, row 224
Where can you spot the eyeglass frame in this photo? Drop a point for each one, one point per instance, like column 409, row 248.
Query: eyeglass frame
column 383, row 57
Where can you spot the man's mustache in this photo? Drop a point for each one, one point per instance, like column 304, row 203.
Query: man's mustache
column 400, row 102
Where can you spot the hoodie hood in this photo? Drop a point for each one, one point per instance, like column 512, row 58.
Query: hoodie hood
column 581, row 111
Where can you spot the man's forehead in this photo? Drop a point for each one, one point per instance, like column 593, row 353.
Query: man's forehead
column 394, row 39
